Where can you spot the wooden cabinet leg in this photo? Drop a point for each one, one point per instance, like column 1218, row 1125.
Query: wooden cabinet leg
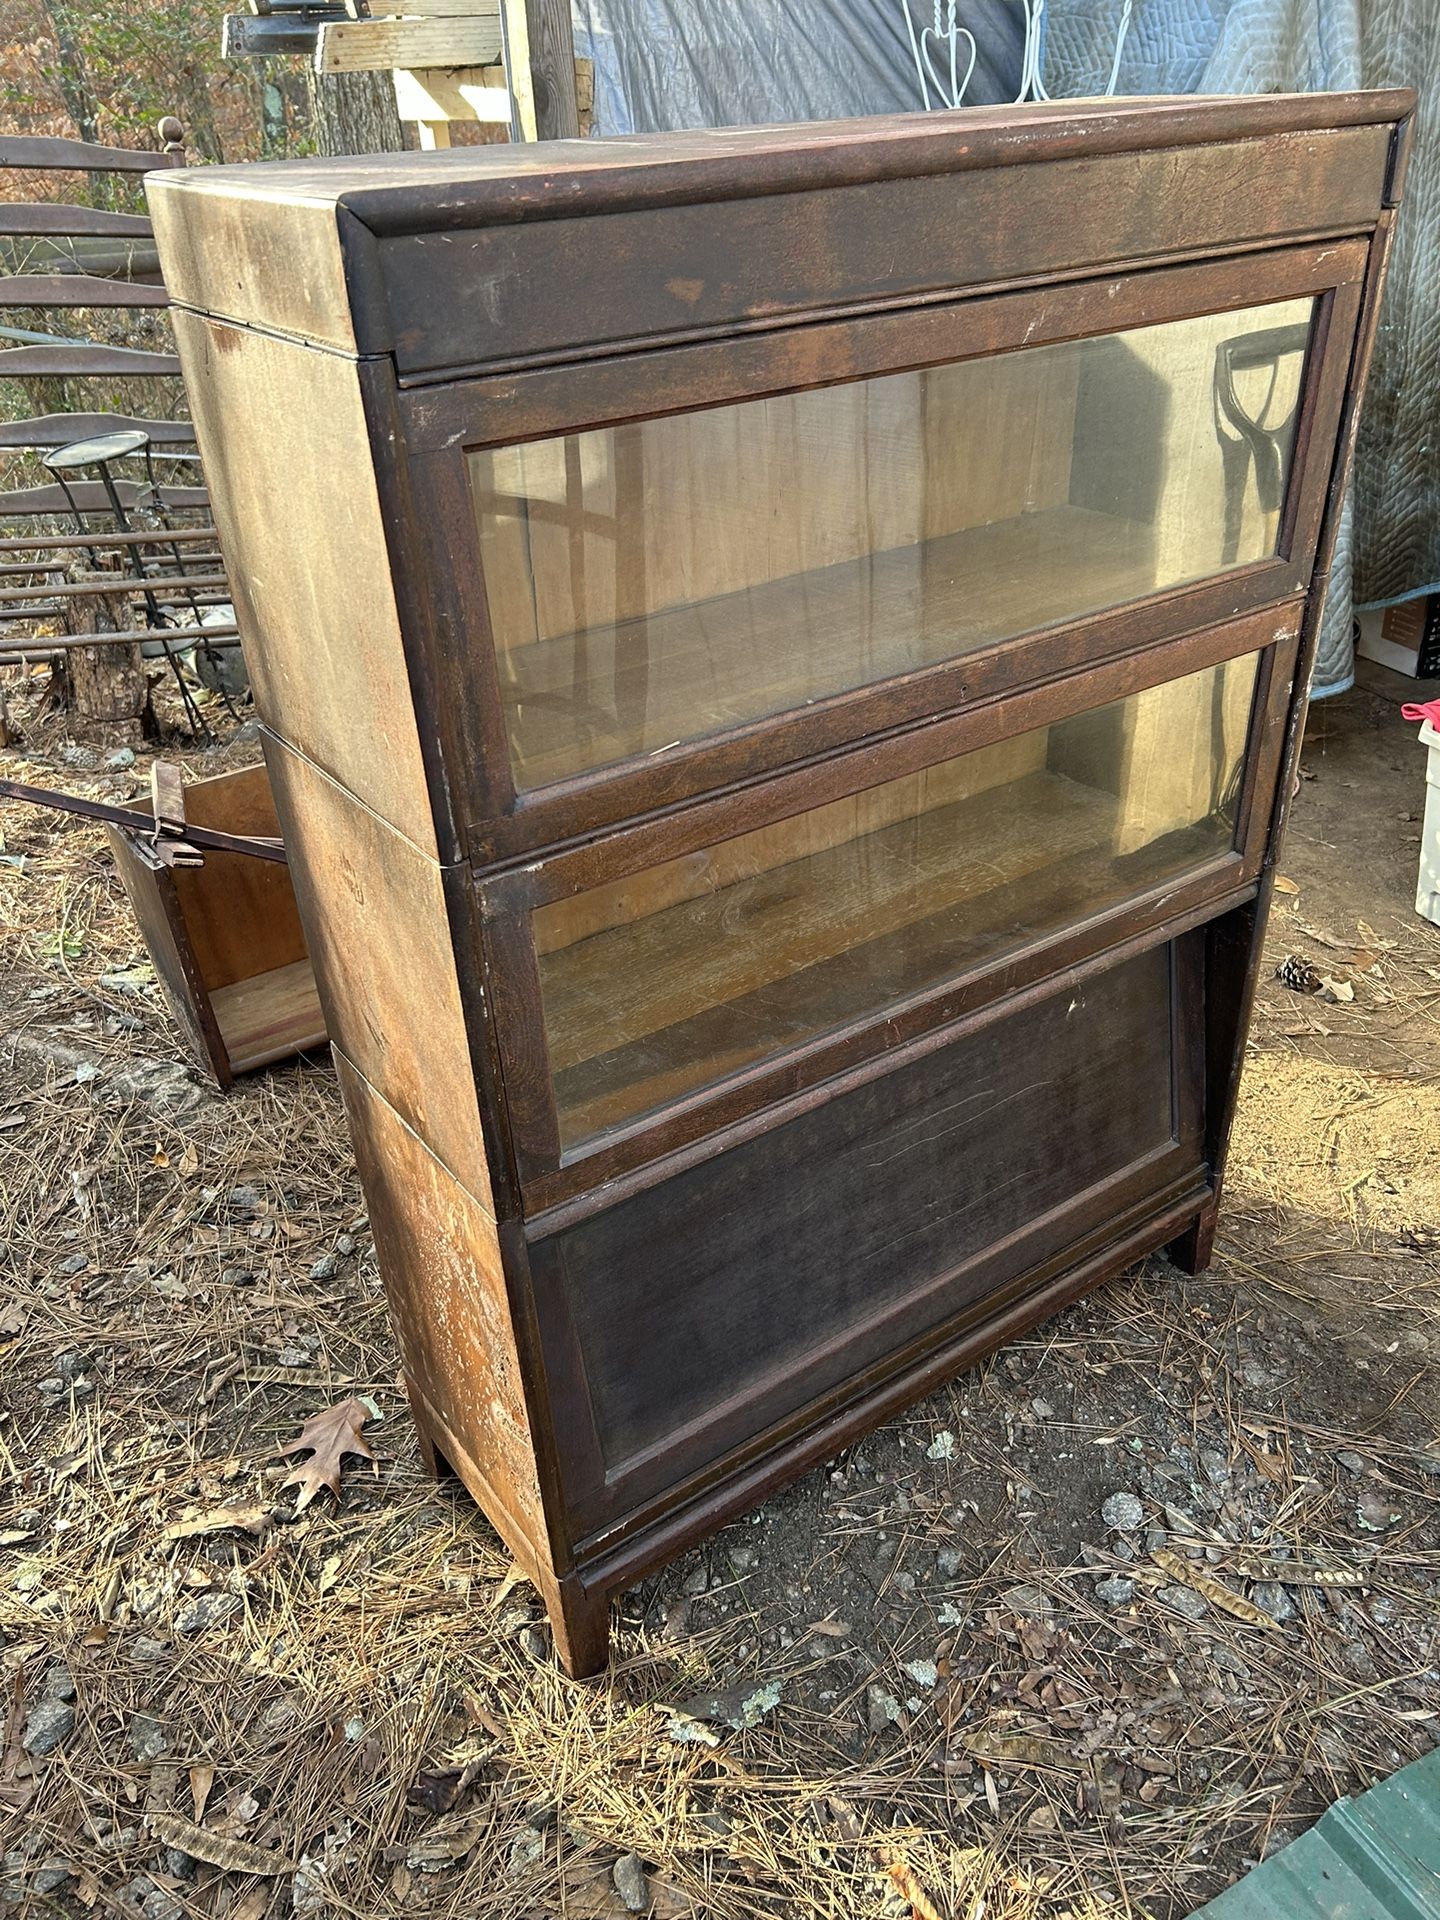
column 580, row 1622
column 1192, row 1250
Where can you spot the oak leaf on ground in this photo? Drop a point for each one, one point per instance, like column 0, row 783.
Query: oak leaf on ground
column 329, row 1436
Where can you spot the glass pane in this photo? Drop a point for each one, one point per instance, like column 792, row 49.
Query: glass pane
column 670, row 979
column 663, row 581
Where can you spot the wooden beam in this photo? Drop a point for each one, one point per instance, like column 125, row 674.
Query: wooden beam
column 435, row 95
column 371, row 46
column 64, row 429
column 433, row 10
column 89, row 496
column 540, row 59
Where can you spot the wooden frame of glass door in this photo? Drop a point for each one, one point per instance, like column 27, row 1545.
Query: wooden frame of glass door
column 500, row 823
column 508, row 899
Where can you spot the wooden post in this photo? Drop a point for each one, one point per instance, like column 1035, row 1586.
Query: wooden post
column 540, row 60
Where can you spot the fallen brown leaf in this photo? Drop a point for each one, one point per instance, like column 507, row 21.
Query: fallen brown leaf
column 329, row 1436
column 902, row 1877
column 202, row 1779
column 251, row 1903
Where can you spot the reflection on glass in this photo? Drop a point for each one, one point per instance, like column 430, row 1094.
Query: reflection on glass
column 668, row 980
column 660, row 582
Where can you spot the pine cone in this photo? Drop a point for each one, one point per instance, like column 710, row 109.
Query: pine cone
column 1299, row 974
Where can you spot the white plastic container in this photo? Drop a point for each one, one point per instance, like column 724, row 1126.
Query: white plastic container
column 1427, row 894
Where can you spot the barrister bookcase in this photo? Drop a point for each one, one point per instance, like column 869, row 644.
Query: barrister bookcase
column 782, row 654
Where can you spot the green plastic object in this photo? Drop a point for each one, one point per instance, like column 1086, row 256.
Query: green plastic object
column 1375, row 1858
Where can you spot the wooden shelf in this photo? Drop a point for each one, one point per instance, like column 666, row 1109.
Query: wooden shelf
column 641, row 1014
column 270, row 1016
column 587, row 700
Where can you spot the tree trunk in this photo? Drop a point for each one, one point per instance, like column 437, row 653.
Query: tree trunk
column 71, row 76
column 109, row 693
column 354, row 113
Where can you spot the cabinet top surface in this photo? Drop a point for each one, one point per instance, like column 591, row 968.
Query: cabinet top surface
column 469, row 186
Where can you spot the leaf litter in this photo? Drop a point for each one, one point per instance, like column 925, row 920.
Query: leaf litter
column 363, row 1691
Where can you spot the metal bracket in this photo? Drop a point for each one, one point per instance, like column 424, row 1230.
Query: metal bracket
column 162, row 839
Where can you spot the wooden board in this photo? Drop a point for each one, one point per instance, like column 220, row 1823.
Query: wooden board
column 77, row 290
column 64, row 429
column 270, row 1016
column 240, row 913
column 59, row 217
column 318, row 616
column 668, row 275
column 375, row 912
column 375, row 46
column 440, row 1254
column 85, row 363
column 1213, row 173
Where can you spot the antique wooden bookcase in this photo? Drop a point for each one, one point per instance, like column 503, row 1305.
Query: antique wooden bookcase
column 781, row 655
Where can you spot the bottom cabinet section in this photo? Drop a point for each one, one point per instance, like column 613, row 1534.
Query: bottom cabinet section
column 704, row 1311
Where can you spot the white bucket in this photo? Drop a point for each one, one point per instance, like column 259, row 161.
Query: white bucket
column 1427, row 894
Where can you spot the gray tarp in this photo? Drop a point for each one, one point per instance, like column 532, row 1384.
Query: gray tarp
column 691, row 63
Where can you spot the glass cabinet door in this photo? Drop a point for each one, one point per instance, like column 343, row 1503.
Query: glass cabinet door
column 663, row 581
column 665, row 981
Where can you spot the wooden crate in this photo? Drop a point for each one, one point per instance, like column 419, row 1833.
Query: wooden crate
column 226, row 937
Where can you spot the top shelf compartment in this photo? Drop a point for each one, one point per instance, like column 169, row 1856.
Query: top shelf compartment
column 657, row 576
column 659, row 582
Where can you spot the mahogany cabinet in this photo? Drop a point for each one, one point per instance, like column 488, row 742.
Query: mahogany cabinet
column 782, row 654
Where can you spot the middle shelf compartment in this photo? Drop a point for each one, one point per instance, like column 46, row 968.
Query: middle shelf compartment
column 668, row 977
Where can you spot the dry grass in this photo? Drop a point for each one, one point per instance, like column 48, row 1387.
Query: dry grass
column 360, row 1693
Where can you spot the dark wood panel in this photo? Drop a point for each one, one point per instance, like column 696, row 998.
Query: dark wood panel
column 833, row 1239
column 266, row 249
column 623, row 1550
column 495, row 409
column 657, row 274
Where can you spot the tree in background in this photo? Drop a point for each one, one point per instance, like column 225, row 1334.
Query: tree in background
column 110, row 72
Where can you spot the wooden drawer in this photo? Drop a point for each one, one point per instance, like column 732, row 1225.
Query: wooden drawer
column 672, row 978
column 715, row 1304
